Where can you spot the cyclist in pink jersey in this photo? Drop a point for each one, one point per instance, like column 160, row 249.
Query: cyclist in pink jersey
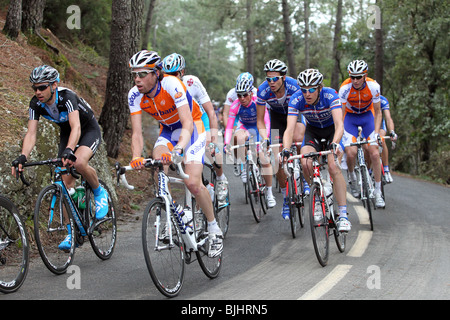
column 245, row 108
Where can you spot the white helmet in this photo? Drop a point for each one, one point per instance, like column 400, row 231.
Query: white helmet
column 244, row 82
column 276, row 65
column 173, row 62
column 145, row 59
column 44, row 73
column 357, row 67
column 309, row 78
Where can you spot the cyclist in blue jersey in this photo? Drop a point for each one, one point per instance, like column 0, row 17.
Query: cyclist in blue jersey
column 80, row 133
column 322, row 110
column 276, row 91
column 386, row 124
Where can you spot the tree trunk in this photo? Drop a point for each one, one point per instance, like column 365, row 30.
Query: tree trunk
column 379, row 50
column 336, row 51
column 250, row 40
column 288, row 39
column 125, row 32
column 32, row 15
column 148, row 23
column 306, row 7
column 13, row 19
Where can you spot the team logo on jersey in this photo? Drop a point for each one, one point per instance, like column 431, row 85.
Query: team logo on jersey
column 178, row 95
column 190, row 82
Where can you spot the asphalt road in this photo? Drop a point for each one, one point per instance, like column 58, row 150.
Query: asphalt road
column 405, row 257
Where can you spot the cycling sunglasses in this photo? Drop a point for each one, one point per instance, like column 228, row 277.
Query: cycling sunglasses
column 356, row 77
column 141, row 74
column 310, row 90
column 273, row 79
column 40, row 88
column 243, row 95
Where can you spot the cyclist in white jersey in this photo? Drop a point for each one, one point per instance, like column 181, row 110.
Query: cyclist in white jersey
column 174, row 64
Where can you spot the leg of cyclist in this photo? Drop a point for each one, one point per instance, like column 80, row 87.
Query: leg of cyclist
column 339, row 189
column 350, row 134
column 240, row 136
column 299, row 135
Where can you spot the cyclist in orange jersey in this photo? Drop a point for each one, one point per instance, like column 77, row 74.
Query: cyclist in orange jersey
column 360, row 98
column 182, row 136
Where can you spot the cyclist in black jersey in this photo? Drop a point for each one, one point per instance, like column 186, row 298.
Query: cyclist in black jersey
column 80, row 133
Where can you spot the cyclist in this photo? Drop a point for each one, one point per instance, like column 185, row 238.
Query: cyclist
column 276, row 91
column 323, row 113
column 387, row 123
column 182, row 136
column 80, row 133
column 245, row 108
column 174, row 64
column 360, row 98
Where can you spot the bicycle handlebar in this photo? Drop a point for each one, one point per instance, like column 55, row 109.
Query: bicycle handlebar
column 362, row 142
column 57, row 162
column 149, row 163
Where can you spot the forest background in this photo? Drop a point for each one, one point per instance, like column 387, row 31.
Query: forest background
column 405, row 43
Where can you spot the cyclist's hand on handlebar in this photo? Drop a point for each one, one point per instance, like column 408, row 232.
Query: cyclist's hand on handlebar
column 336, row 147
column 176, row 155
column 137, row 163
column 265, row 145
column 68, row 157
column 17, row 164
column 379, row 140
column 393, row 136
column 284, row 155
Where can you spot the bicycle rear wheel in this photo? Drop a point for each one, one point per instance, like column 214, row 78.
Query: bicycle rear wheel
column 102, row 233
column 165, row 263
column 319, row 225
column 292, row 205
column 14, row 247
column 253, row 193
column 210, row 266
column 51, row 228
column 365, row 196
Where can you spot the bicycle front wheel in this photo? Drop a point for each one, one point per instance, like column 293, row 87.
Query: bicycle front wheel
column 14, row 247
column 253, row 193
column 102, row 233
column 292, row 191
column 51, row 229
column 365, row 195
column 319, row 225
column 164, row 259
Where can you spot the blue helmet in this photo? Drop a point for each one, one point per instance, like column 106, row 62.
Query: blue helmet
column 173, row 62
column 244, row 82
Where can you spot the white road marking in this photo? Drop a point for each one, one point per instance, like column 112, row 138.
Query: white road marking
column 327, row 283
column 361, row 244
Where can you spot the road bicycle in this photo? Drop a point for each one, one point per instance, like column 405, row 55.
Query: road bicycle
column 14, row 247
column 171, row 233
column 294, row 189
column 57, row 215
column 365, row 181
column 221, row 208
column 322, row 211
column 255, row 187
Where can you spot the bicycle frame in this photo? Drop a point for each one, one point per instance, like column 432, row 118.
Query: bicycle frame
column 164, row 193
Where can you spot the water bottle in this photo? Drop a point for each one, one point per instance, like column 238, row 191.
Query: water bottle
column 72, row 193
column 329, row 194
column 210, row 188
column 81, row 197
column 182, row 218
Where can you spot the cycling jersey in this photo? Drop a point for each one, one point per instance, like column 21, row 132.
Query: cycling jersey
column 265, row 95
column 247, row 119
column 359, row 101
column 67, row 102
column 198, row 92
column 171, row 94
column 384, row 106
column 318, row 115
